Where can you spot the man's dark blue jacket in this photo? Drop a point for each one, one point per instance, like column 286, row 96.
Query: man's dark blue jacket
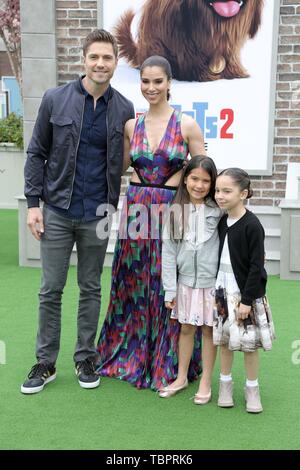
column 51, row 154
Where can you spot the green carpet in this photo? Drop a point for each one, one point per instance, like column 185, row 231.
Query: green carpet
column 116, row 415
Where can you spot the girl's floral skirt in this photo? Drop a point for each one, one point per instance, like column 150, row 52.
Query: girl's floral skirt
column 257, row 331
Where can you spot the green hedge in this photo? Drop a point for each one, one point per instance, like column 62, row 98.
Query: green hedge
column 11, row 130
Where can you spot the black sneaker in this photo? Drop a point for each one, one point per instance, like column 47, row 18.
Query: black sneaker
column 87, row 377
column 38, row 377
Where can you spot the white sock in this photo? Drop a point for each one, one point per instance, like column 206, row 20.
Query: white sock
column 225, row 378
column 252, row 383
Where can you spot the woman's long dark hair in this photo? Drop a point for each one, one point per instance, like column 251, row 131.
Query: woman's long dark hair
column 178, row 213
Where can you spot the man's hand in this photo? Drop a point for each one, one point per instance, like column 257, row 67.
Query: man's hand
column 243, row 311
column 171, row 305
column 35, row 222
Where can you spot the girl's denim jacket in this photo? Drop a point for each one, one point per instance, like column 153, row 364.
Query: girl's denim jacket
column 192, row 261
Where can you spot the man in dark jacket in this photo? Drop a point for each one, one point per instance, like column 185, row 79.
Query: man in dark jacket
column 74, row 165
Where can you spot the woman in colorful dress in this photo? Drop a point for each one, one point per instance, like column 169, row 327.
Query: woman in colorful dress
column 138, row 341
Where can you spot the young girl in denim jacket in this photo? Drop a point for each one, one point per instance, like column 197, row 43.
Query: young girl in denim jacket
column 189, row 267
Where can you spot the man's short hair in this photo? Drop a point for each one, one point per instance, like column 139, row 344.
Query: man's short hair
column 100, row 35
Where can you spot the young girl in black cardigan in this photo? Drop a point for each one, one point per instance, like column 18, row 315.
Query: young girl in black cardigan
column 242, row 320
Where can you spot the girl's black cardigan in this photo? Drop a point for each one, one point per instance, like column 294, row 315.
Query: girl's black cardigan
column 247, row 254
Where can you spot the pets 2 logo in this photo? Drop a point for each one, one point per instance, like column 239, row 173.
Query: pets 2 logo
column 213, row 127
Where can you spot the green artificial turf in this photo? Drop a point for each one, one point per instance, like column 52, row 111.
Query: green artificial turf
column 116, row 415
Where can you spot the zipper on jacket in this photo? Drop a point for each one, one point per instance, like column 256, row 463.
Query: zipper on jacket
column 196, row 268
column 196, row 251
column 77, row 150
column 107, row 178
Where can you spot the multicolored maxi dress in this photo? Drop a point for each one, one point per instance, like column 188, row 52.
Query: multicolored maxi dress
column 138, row 341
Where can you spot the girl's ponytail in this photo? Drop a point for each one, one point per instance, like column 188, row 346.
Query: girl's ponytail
column 241, row 178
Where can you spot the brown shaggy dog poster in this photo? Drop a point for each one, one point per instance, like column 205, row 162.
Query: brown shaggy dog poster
column 201, row 38
column 222, row 54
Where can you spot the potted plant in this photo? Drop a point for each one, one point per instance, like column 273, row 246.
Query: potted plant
column 11, row 131
column 12, row 160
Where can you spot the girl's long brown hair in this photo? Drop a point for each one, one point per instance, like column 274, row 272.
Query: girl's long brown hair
column 178, row 213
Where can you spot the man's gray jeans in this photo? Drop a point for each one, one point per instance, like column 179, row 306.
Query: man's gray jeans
column 56, row 247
